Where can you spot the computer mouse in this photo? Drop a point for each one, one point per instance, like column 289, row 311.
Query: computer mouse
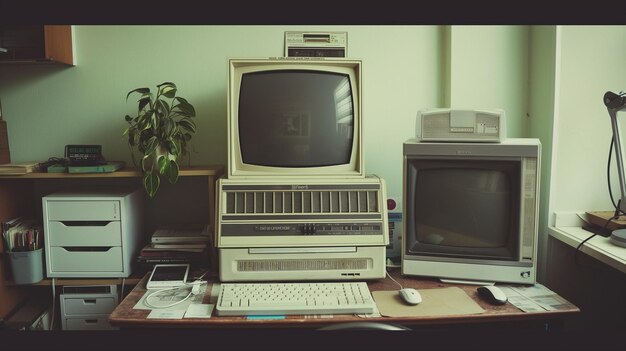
column 492, row 294
column 410, row 296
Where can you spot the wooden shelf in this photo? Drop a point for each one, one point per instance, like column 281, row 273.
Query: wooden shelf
column 37, row 44
column 83, row 281
column 127, row 172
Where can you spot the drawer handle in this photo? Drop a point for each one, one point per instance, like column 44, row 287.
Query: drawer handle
column 91, row 321
column 85, row 223
column 87, row 248
column 89, row 301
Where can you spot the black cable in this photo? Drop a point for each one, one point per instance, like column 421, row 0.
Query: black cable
column 618, row 211
column 608, row 171
column 589, row 238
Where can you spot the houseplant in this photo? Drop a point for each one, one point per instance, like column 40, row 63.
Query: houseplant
column 160, row 132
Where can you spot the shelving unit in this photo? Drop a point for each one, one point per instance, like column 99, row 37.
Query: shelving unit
column 37, row 44
column 190, row 200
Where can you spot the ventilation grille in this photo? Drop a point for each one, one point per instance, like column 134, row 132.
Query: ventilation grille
column 262, row 202
column 301, row 265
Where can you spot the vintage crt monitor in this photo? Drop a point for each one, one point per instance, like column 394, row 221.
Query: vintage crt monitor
column 471, row 210
column 296, row 203
column 294, row 117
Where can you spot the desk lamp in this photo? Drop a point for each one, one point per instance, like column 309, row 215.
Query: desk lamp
column 615, row 103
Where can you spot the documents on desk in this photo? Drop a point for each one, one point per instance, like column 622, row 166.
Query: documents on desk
column 191, row 308
column 535, row 298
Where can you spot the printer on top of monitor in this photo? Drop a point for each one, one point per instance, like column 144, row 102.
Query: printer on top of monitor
column 455, row 125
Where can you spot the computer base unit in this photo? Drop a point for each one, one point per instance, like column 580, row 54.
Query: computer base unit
column 289, row 230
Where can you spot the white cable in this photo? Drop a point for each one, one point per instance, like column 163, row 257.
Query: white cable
column 192, row 291
column 53, row 303
column 390, row 277
column 164, row 306
column 122, row 289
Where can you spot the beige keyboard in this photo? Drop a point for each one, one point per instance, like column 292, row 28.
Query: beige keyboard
column 254, row 299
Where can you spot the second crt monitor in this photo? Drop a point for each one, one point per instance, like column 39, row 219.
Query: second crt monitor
column 470, row 210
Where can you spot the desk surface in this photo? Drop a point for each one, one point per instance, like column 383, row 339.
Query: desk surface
column 125, row 316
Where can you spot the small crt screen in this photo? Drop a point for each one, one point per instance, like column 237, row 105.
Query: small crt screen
column 296, row 118
column 465, row 209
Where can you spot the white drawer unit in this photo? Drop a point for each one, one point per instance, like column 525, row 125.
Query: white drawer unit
column 87, row 307
column 92, row 235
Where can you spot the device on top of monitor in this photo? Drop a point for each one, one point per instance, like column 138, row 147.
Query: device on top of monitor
column 471, row 210
column 461, row 125
column 294, row 117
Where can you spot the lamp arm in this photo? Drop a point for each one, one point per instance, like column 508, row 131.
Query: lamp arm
column 619, row 158
column 614, row 103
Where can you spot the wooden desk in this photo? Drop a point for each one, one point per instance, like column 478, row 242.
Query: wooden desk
column 125, row 316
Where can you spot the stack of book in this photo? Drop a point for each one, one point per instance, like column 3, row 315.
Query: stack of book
column 19, row 168
column 171, row 245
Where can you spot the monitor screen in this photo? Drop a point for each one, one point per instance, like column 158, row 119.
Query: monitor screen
column 464, row 209
column 295, row 118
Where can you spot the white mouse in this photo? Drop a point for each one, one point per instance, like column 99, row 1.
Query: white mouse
column 410, row 296
column 492, row 294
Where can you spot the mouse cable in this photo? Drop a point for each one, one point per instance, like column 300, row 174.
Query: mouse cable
column 390, row 277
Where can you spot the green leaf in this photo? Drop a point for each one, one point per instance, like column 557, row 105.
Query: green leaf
column 169, row 127
column 166, row 84
column 163, row 107
column 174, row 146
column 187, row 124
column 146, row 125
column 151, row 145
column 142, row 91
column 145, row 100
column 167, row 89
column 151, row 183
column 172, row 172
column 169, row 92
column 163, row 164
column 131, row 139
column 154, row 122
column 184, row 107
column 143, row 163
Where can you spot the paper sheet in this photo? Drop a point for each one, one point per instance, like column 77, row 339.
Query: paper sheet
column 199, row 310
column 535, row 298
column 435, row 302
column 166, row 314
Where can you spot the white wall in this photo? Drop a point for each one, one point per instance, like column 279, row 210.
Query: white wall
column 592, row 62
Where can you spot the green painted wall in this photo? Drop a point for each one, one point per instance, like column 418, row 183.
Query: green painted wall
column 47, row 107
column 489, row 69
